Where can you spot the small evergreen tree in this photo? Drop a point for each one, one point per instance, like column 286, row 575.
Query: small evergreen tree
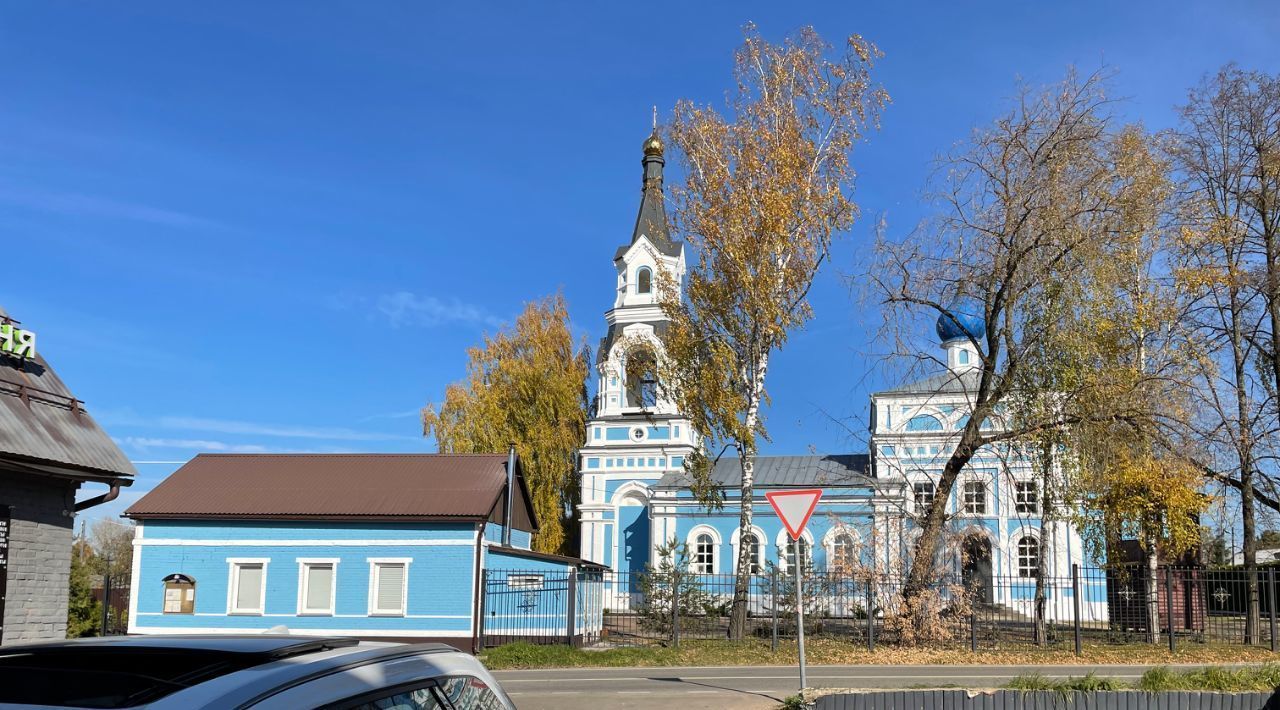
column 84, row 613
column 656, row 587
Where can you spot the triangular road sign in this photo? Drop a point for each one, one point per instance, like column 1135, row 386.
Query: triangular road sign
column 794, row 507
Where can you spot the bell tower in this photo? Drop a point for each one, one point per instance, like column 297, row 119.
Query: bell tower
column 637, row 434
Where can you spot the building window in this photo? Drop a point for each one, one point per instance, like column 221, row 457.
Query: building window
column 317, row 583
column 789, row 553
column 844, row 554
column 644, row 280
column 752, row 541
column 1028, row 557
column 975, row 498
column 963, row 357
column 248, row 586
column 925, row 492
column 1026, row 498
column 642, row 378
column 388, row 584
column 179, row 594
column 704, row 554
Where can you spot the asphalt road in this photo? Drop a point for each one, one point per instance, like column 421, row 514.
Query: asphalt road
column 748, row 686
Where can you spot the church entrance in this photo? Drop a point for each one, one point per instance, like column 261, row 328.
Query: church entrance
column 633, row 521
column 975, row 568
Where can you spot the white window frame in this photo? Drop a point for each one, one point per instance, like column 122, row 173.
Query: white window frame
column 1034, row 503
column 915, row 497
column 374, row 562
column 692, row 541
column 784, row 539
column 1018, row 557
column 963, row 504
column 829, row 546
column 233, row 585
column 304, row 583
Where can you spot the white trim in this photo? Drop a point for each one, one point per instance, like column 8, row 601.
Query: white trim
column 176, row 542
column 233, row 584
column 374, row 562
column 427, row 633
column 304, row 583
column 135, row 577
column 829, row 543
column 336, row 616
column 1014, row 538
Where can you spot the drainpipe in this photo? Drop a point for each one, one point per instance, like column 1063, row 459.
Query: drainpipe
column 99, row 500
column 511, row 484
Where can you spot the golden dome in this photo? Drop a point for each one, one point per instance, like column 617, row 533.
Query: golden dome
column 653, row 144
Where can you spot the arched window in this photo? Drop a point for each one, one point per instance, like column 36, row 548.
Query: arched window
column 752, row 541
column 644, row 280
column 844, row 554
column 179, row 594
column 924, row 422
column 642, row 378
column 704, row 554
column 1028, row 556
column 789, row 553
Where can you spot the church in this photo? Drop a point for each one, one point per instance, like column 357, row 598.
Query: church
column 635, row 495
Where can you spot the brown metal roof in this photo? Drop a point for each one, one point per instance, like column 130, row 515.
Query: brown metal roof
column 43, row 425
column 338, row 487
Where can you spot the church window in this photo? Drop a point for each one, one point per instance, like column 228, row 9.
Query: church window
column 925, row 492
column 975, row 497
column 677, row 431
column 644, row 280
column 843, row 554
column 789, row 553
column 642, row 378
column 596, row 432
column 924, row 422
column 631, row 462
column 963, row 357
column 704, row 554
column 1026, row 497
column 677, row 461
column 1028, row 556
column 652, row 462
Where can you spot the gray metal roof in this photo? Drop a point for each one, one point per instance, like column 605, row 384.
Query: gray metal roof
column 42, row 424
column 831, row 470
column 942, row 382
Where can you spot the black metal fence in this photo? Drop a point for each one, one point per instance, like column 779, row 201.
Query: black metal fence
column 1118, row 605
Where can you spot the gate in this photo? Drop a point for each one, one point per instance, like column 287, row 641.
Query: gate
column 541, row 606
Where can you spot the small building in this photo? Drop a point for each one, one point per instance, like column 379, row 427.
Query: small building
column 49, row 448
column 379, row 546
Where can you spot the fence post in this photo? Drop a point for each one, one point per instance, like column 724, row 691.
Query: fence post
column 1168, row 602
column 1075, row 604
column 675, row 608
column 571, row 606
column 973, row 629
column 871, row 614
column 484, row 593
column 106, row 598
column 1271, row 603
column 773, row 581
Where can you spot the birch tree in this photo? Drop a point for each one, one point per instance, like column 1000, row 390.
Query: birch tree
column 1038, row 199
column 768, row 185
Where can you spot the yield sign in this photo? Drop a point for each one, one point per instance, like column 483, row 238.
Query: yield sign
column 794, row 507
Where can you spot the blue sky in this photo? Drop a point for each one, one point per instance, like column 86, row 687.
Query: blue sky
column 277, row 227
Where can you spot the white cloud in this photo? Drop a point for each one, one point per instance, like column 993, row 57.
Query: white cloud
column 92, row 206
column 144, row 443
column 403, row 308
column 231, row 426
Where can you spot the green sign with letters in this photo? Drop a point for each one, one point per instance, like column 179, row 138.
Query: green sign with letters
column 17, row 342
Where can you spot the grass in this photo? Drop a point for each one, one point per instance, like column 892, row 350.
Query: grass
column 823, row 651
column 1263, row 678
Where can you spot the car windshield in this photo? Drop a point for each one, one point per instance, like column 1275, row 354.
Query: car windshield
column 110, row 678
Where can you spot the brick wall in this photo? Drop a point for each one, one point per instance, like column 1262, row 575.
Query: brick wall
column 39, row 556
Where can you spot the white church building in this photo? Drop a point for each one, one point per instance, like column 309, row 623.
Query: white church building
column 635, row 497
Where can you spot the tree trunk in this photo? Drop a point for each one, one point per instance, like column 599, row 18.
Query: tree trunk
column 921, row 573
column 1244, row 444
column 742, row 571
column 1042, row 554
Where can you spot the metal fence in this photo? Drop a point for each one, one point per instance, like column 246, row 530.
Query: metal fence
column 1118, row 605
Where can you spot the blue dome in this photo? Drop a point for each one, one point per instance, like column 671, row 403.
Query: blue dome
column 965, row 320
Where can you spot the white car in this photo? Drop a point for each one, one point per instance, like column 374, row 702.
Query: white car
column 263, row 672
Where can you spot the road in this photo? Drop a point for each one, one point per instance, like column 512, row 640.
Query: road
column 748, row 687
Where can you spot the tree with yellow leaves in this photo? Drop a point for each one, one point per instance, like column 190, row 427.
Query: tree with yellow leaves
column 527, row 386
column 766, row 189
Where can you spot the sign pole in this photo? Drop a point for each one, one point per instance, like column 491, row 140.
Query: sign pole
column 804, row 681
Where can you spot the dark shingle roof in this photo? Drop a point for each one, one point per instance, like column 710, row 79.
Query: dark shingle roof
column 787, row 471
column 336, row 486
column 42, row 423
